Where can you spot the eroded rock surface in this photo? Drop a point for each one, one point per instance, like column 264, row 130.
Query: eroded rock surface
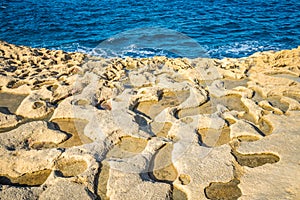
column 36, row 134
column 7, row 120
column 74, row 126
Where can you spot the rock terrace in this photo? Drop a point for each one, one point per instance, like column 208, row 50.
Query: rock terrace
column 74, row 126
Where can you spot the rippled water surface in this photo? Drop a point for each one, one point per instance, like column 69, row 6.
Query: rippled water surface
column 223, row 28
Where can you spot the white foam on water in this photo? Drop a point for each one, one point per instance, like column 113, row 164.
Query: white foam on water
column 237, row 49
column 233, row 50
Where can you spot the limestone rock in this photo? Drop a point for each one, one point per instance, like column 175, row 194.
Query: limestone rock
column 244, row 130
column 293, row 104
column 273, row 86
column 36, row 134
column 155, row 128
column 266, row 105
column 14, row 164
column 254, row 110
column 136, row 188
column 218, row 89
column 130, row 172
column 65, row 190
column 203, row 165
column 35, row 105
column 76, row 164
column 73, row 107
column 13, row 192
column 7, row 121
column 270, row 179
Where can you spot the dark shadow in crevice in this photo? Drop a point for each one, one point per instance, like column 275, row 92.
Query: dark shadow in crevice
column 33, row 179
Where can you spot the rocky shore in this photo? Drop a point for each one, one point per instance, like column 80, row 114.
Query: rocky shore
column 73, row 126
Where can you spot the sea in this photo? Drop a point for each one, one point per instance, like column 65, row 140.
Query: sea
column 147, row 28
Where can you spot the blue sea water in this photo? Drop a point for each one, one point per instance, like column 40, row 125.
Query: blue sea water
column 220, row 28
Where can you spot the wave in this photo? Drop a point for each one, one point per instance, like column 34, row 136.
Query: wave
column 241, row 49
column 231, row 50
column 129, row 51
